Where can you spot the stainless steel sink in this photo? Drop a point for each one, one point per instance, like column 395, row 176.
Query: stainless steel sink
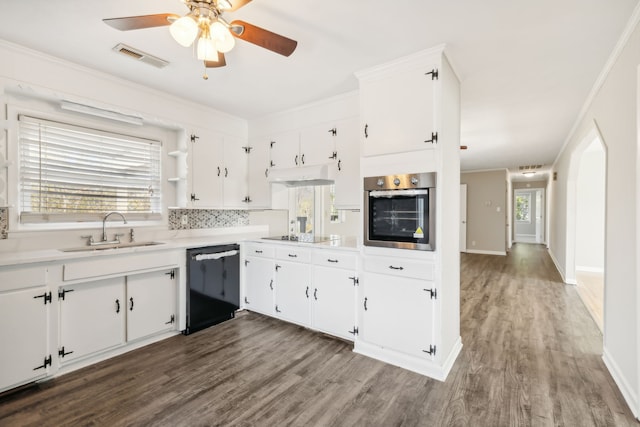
column 111, row 246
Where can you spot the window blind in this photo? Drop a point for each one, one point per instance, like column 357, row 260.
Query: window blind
column 70, row 173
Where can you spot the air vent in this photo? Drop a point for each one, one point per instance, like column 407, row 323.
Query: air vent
column 140, row 55
column 529, row 167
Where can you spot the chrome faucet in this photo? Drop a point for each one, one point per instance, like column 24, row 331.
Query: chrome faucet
column 104, row 224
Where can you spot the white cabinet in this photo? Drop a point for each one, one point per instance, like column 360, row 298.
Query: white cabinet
column 259, row 191
column 348, row 193
column 151, row 303
column 25, row 354
column 397, row 108
column 397, row 314
column 293, row 284
column 259, row 284
column 317, row 144
column 334, row 294
column 218, row 172
column 285, row 150
column 92, row 317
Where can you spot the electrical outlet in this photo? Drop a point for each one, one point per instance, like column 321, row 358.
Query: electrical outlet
column 185, row 219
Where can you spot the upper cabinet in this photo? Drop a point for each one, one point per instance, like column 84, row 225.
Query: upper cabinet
column 218, row 170
column 399, row 106
column 259, row 191
column 347, row 155
column 285, row 150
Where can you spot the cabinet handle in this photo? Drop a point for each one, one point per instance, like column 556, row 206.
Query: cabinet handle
column 218, row 170
column 332, row 260
column 307, row 292
column 293, row 256
column 117, row 306
column 296, row 160
column 396, row 268
column 365, row 304
column 131, row 306
column 315, row 294
column 302, row 158
column 266, row 172
column 226, row 172
column 246, row 301
column 339, row 165
column 278, row 310
column 258, row 252
column 366, row 131
column 271, row 284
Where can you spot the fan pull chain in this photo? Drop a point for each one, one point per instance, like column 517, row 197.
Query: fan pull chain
column 205, row 76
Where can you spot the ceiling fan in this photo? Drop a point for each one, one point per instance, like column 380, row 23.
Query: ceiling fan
column 214, row 35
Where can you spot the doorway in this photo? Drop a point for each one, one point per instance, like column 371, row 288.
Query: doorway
column 529, row 215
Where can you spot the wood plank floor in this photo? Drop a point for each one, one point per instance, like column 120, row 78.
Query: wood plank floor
column 531, row 357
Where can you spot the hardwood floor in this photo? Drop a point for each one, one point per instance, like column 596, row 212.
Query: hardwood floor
column 531, row 357
column 591, row 290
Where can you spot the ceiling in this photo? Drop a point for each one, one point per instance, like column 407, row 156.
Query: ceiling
column 526, row 68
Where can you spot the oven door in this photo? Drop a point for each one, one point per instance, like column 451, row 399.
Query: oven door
column 400, row 219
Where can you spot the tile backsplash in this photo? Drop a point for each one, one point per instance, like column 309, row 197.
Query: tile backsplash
column 207, row 218
column 4, row 223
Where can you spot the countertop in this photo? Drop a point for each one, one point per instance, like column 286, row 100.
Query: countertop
column 57, row 255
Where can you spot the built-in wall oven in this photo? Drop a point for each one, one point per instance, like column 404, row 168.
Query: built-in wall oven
column 399, row 211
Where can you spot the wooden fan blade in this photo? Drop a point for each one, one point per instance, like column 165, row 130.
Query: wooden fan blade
column 142, row 21
column 263, row 38
column 237, row 4
column 221, row 62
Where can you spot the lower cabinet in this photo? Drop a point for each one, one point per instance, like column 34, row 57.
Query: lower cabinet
column 103, row 314
column 259, row 285
column 397, row 314
column 151, row 303
column 92, row 317
column 24, row 318
column 333, row 304
column 293, row 289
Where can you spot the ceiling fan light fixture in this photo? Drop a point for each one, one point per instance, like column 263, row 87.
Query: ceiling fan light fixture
column 224, row 4
column 184, row 30
column 221, row 34
column 207, row 50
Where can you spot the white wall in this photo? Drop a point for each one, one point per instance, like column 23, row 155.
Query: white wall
column 590, row 207
column 613, row 108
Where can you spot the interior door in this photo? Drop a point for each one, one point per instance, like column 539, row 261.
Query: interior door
column 463, row 217
column 539, row 216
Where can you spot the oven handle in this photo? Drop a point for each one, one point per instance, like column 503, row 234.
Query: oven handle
column 395, row 193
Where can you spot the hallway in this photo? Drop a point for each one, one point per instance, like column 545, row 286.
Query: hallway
column 531, row 356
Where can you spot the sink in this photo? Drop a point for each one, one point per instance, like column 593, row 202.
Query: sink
column 111, row 246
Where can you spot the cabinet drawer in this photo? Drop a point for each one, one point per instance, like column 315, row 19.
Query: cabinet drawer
column 335, row 259
column 22, row 277
column 259, row 250
column 118, row 264
column 291, row 253
column 400, row 267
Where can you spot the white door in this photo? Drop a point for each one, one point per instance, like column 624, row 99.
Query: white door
column 410, row 328
column 333, row 301
column 92, row 317
column 259, row 285
column 151, row 303
column 23, row 336
column 234, row 173
column 540, row 216
column 293, row 290
column 463, row 217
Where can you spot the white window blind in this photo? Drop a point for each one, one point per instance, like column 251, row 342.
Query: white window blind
column 70, row 173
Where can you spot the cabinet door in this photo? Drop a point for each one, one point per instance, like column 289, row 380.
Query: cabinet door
column 92, row 317
column 348, row 186
column 234, row 173
column 151, row 303
column 285, row 149
column 259, row 188
column 23, row 336
column 397, row 313
column 207, row 170
column 293, row 289
column 317, row 145
column 333, row 301
column 398, row 112
column 259, row 285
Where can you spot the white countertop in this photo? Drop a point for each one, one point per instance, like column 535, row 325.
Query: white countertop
column 56, row 255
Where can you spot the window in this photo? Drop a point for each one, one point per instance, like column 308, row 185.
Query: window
column 72, row 174
column 523, row 205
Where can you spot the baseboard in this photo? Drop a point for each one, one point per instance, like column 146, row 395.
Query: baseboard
column 560, row 269
column 481, row 252
column 629, row 395
column 589, row 269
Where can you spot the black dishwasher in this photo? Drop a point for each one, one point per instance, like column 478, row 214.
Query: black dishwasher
column 213, row 282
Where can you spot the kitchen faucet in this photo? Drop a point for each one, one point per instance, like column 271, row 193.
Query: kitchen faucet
column 104, row 224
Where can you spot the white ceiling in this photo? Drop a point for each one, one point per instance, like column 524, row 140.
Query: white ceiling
column 526, row 68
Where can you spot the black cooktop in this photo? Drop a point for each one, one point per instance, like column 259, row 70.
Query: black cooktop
column 303, row 238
